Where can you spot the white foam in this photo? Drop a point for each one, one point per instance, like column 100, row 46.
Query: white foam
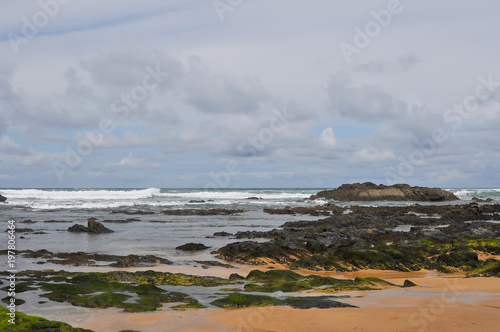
column 80, row 194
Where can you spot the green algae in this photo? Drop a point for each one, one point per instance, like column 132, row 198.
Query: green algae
column 238, row 300
column 289, row 281
column 89, row 290
column 24, row 322
column 488, row 269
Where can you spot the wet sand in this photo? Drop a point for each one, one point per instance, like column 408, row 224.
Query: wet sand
column 441, row 302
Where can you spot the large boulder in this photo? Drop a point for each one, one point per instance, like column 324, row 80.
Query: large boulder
column 192, row 247
column 371, row 192
column 3, row 198
column 96, row 227
column 93, row 226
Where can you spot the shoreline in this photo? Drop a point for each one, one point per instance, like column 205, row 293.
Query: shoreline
column 435, row 304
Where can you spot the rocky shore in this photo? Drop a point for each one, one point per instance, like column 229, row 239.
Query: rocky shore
column 445, row 238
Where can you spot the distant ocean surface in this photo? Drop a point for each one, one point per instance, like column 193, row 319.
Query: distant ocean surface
column 157, row 199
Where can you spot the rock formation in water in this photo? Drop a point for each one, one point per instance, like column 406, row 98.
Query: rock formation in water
column 371, row 192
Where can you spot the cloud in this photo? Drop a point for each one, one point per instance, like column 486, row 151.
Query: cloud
column 328, row 137
column 130, row 161
column 401, row 64
column 9, row 147
column 219, row 93
column 373, row 155
column 367, row 103
column 220, row 82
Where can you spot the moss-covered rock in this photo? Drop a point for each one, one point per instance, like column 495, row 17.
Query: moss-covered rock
column 25, row 323
column 238, row 300
column 89, row 290
column 319, row 302
column 488, row 269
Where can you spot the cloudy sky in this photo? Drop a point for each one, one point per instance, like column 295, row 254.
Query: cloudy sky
column 240, row 93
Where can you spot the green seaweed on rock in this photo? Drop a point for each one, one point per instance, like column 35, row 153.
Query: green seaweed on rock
column 24, row 323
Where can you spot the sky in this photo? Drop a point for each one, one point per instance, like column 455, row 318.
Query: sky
column 240, row 93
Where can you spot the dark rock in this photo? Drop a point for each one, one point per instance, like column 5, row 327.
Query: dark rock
column 254, row 198
column 196, row 202
column 482, row 200
column 320, row 302
column 192, row 247
column 122, row 221
column 201, row 212
column 78, row 229
column 86, row 259
column 371, row 192
column 96, row 227
column 409, row 283
column 57, row 221
column 29, row 221
column 3, row 198
column 138, row 212
column 251, row 252
column 215, row 263
column 313, row 211
column 93, row 226
column 22, row 230
column 222, row 234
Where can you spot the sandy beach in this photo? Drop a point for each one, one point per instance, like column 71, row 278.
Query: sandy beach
column 439, row 303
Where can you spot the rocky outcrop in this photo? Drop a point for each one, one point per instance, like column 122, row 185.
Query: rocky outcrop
column 89, row 259
column 482, row 200
column 446, row 238
column 192, row 247
column 371, row 192
column 202, row 212
column 93, row 226
column 2, row 199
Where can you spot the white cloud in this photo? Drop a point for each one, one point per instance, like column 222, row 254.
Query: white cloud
column 328, row 137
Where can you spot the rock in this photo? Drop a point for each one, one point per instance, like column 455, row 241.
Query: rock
column 138, row 212
column 482, row 200
column 215, row 263
column 93, row 226
column 222, row 234
column 195, row 202
column 29, row 221
column 254, row 198
column 371, row 192
column 3, row 198
column 202, row 212
column 409, row 283
column 192, row 247
column 96, row 227
column 78, row 229
column 23, row 230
